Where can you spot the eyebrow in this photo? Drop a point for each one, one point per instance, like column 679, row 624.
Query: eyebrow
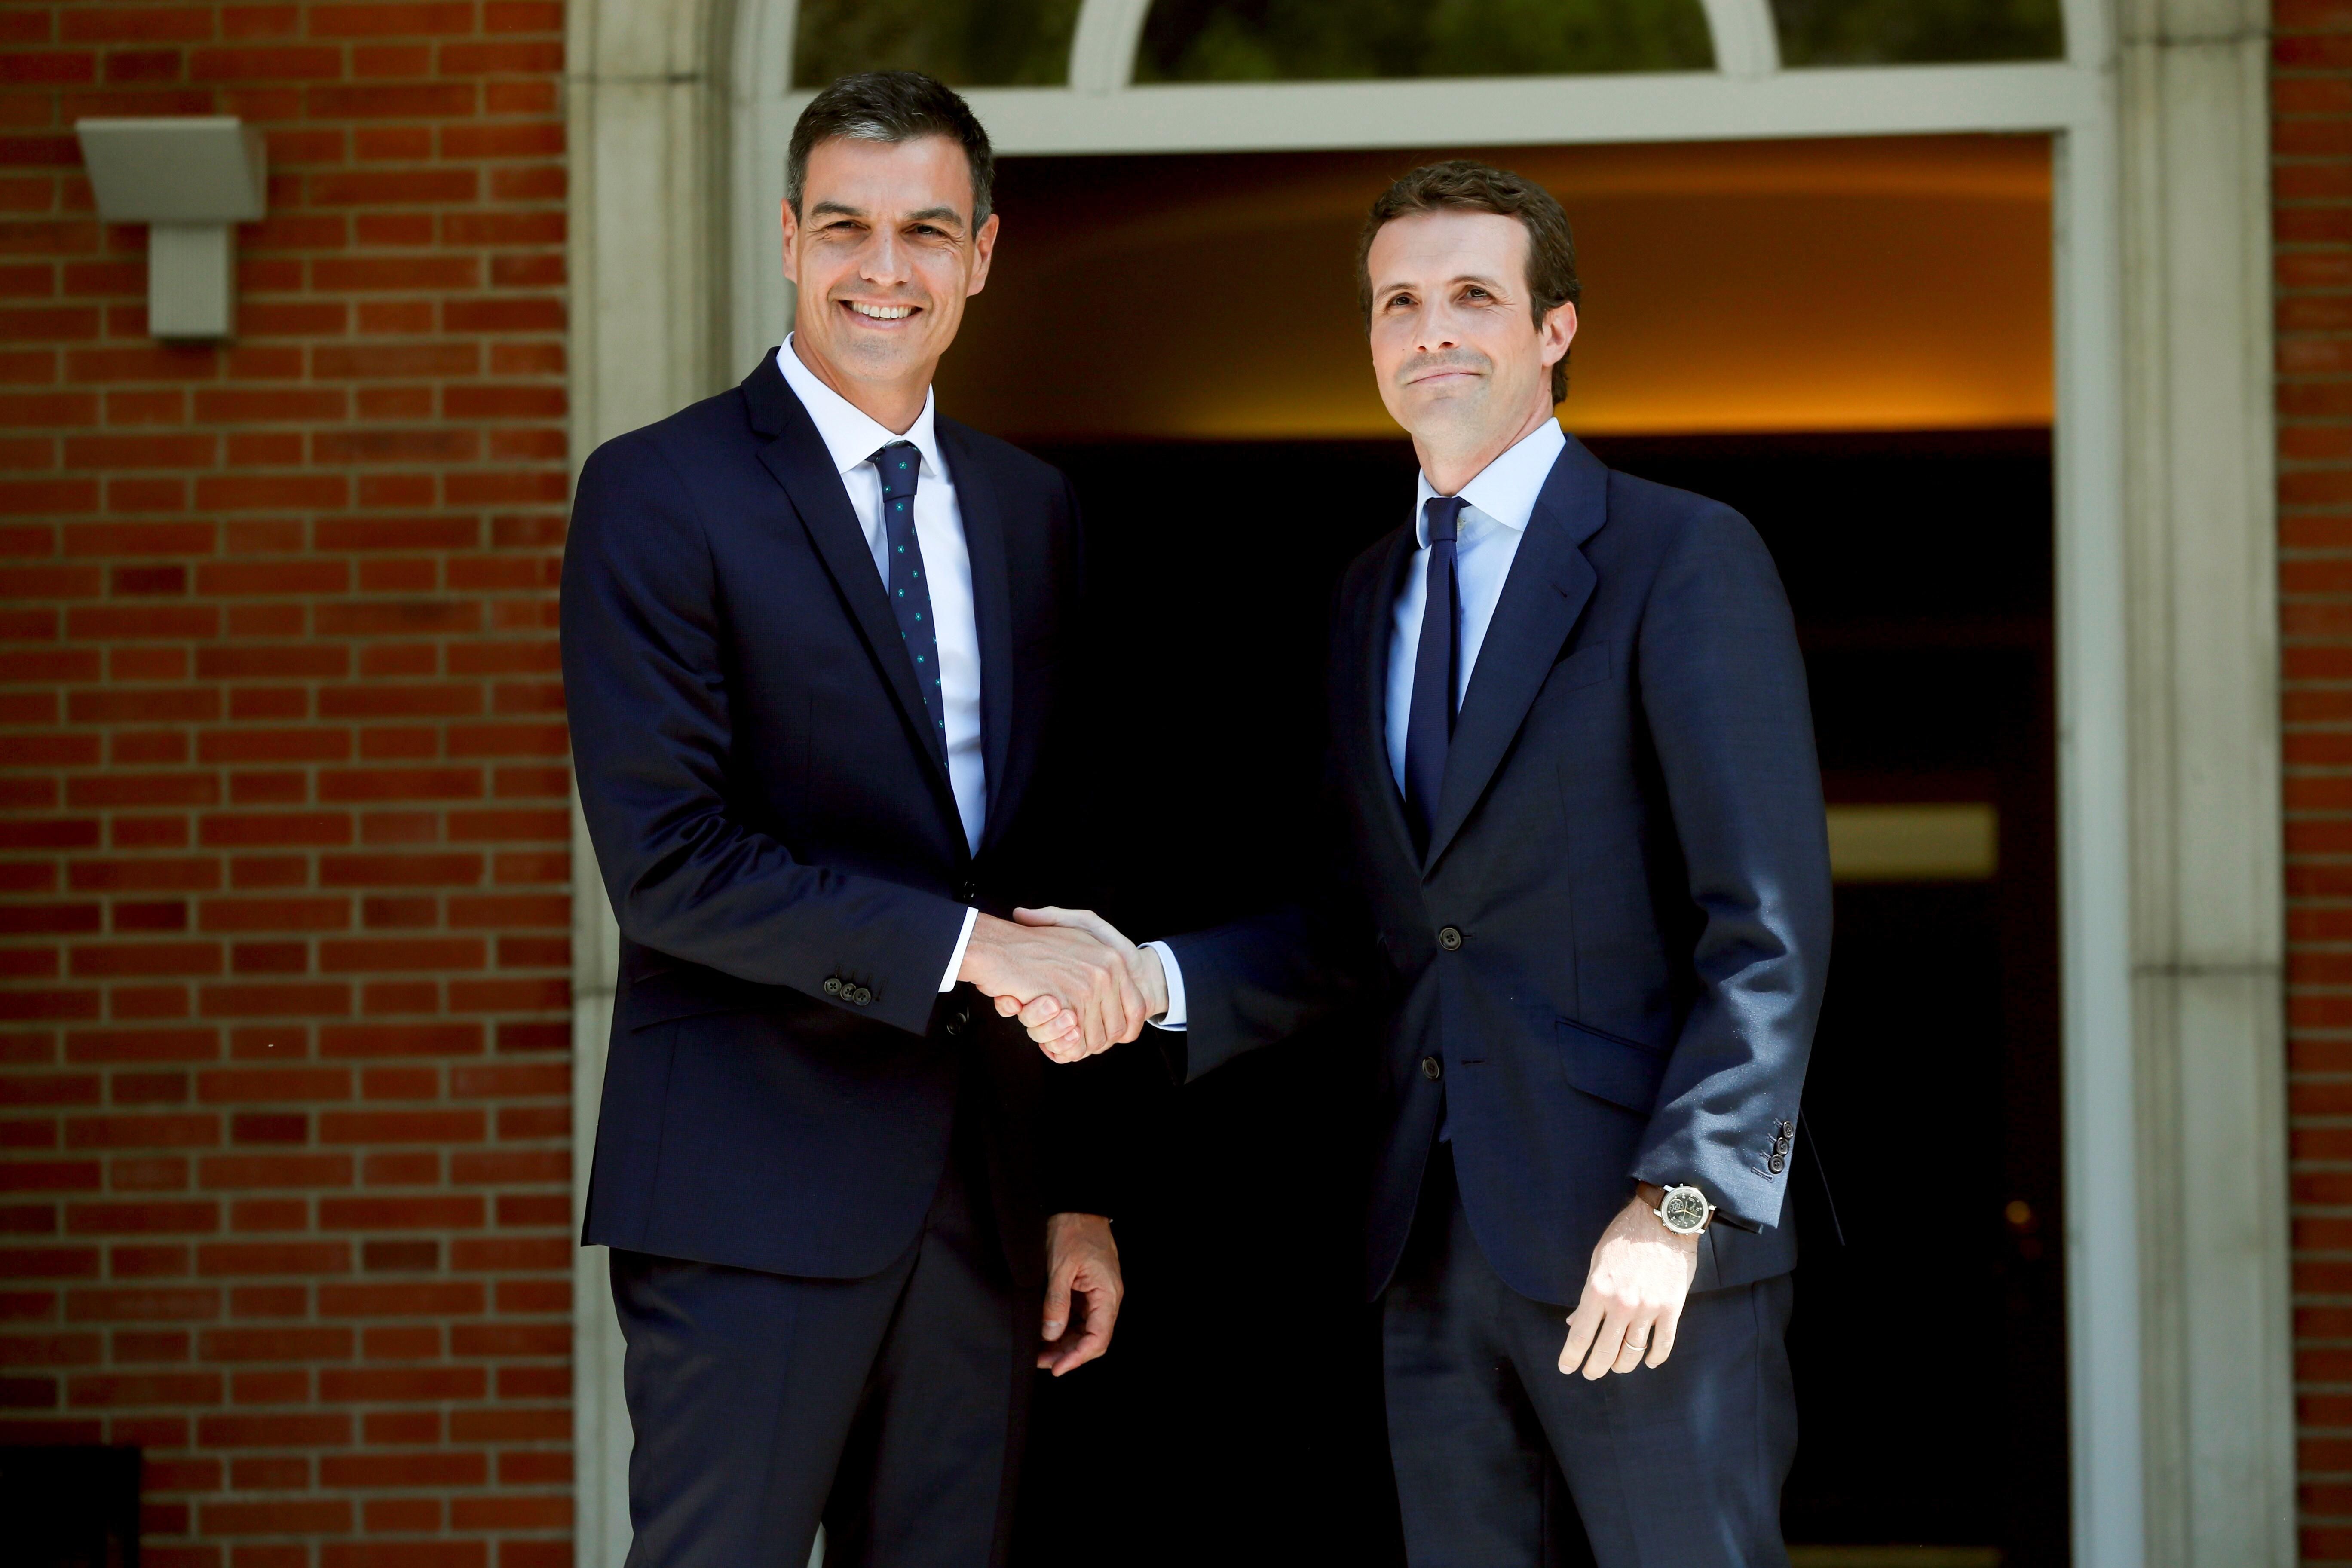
column 1385, row 290
column 928, row 215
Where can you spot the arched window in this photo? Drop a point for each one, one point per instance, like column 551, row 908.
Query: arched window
column 1917, row 32
column 1297, row 40
column 1054, row 43
column 964, row 43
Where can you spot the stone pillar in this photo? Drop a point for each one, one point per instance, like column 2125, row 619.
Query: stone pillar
column 2208, row 899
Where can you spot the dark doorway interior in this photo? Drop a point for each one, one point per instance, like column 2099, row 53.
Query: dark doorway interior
column 1238, row 1419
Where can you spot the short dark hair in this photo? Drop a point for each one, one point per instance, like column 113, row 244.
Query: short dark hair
column 892, row 107
column 1462, row 185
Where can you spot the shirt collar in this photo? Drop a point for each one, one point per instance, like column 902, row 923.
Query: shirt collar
column 1505, row 490
column 851, row 435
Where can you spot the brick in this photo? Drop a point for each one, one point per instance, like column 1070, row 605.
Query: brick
column 51, row 1176
column 453, row 1212
column 192, row 1131
column 289, row 1172
column 453, row 1297
column 148, row 1388
column 386, row 1385
column 491, row 1425
column 288, row 1000
column 431, row 1467
column 279, row 1429
column 410, row 1553
column 177, row 1045
column 249, row 829
column 308, row 1259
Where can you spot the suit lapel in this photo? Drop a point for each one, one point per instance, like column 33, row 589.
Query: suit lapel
column 796, row 456
column 1374, row 630
column 992, row 608
column 1549, row 584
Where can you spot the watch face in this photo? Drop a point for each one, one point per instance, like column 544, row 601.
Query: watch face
column 1684, row 1210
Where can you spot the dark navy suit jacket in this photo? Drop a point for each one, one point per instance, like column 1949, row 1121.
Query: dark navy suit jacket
column 771, row 811
column 1628, row 844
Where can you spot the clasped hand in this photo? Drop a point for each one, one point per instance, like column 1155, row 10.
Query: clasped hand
column 1075, row 984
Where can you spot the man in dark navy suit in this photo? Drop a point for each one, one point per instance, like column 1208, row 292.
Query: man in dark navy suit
column 815, row 642
column 1583, row 884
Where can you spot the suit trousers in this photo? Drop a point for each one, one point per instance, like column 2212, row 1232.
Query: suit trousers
column 1503, row 1462
column 890, row 1408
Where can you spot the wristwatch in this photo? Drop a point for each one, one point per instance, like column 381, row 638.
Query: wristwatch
column 1684, row 1211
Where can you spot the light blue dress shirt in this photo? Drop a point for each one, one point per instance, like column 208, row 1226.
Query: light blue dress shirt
column 1502, row 498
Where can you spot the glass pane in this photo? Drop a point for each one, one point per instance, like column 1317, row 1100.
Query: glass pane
column 1917, row 32
column 1293, row 40
column 964, row 43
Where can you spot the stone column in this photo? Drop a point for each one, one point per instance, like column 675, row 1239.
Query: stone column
column 648, row 142
column 2192, row 91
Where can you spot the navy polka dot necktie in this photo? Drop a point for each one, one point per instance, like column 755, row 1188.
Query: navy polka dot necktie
column 910, row 592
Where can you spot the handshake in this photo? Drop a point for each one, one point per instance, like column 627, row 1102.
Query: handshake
column 1075, row 984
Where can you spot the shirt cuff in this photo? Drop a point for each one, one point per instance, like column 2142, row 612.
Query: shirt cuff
column 1176, row 1017
column 955, row 958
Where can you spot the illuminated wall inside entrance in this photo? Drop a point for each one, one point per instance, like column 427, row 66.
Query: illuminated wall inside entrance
column 1879, row 285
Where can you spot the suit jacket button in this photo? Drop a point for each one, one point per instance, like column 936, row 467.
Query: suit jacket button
column 861, row 996
column 1777, row 1164
column 1449, row 938
column 1431, row 1068
column 967, row 890
column 832, row 984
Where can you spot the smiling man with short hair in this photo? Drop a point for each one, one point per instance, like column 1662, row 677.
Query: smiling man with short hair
column 815, row 641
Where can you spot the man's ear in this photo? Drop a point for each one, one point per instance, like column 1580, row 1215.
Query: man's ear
column 792, row 246
column 1557, row 330
column 983, row 251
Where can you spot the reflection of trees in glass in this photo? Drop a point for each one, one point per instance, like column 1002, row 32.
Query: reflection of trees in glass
column 1279, row 40
column 966, row 43
column 1916, row 32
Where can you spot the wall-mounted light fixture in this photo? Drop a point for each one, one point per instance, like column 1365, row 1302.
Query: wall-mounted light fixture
column 191, row 180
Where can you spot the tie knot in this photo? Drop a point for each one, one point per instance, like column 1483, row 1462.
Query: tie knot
column 1442, row 514
column 899, row 464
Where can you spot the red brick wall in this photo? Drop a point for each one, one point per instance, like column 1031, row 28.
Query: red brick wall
column 2311, row 175
column 283, row 876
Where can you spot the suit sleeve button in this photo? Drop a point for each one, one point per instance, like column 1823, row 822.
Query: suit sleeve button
column 1777, row 1164
column 832, row 984
column 1431, row 1068
column 1449, row 938
column 861, row 996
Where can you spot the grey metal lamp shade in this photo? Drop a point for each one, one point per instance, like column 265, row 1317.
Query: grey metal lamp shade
column 191, row 179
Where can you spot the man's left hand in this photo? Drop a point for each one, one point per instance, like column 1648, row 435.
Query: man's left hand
column 1081, row 1260
column 1634, row 1295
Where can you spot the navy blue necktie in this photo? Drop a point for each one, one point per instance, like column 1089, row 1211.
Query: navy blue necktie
column 910, row 596
column 1436, row 666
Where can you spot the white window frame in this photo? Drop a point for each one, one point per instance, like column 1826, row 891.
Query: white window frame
column 2168, row 755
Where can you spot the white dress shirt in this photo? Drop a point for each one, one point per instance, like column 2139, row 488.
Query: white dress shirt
column 851, row 438
column 1487, row 540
